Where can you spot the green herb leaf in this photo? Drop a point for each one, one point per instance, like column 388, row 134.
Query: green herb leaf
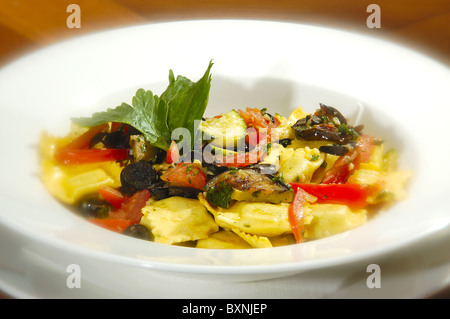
column 187, row 101
column 180, row 105
column 148, row 115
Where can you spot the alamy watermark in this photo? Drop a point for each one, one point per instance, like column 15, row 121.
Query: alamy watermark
column 74, row 276
column 374, row 279
column 374, row 19
column 74, row 19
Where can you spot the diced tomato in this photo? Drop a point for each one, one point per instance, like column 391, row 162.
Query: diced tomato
column 338, row 174
column 173, row 154
column 254, row 156
column 297, row 213
column 82, row 141
column 113, row 196
column 364, row 148
column 241, row 159
column 254, row 118
column 259, row 127
column 254, row 137
column 346, row 164
column 116, row 225
column 352, row 195
column 84, row 156
column 185, row 175
column 132, row 208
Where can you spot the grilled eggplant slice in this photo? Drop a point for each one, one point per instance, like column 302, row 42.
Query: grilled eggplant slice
column 246, row 185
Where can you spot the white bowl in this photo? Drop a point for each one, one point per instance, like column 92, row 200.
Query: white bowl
column 400, row 95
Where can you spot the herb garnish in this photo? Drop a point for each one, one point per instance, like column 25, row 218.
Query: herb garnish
column 181, row 105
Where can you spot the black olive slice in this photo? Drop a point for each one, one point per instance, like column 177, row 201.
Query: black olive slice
column 137, row 176
column 338, row 150
column 137, row 231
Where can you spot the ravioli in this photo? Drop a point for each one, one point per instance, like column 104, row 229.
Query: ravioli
column 300, row 164
column 223, row 239
column 285, row 130
column 256, row 218
column 325, row 220
column 178, row 219
column 386, row 185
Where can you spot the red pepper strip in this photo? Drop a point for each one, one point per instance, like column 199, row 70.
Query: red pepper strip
column 83, row 140
column 112, row 196
column 352, row 195
column 84, row 156
column 297, row 213
column 116, row 225
column 132, row 209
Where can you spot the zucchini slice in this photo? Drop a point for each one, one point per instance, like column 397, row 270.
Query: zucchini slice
column 226, row 131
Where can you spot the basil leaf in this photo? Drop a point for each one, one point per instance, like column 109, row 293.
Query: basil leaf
column 180, row 105
column 148, row 115
column 187, row 101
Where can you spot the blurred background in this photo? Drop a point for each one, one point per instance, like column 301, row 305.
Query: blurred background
column 27, row 25
column 30, row 24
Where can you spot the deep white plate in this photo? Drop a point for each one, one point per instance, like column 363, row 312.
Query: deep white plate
column 400, row 95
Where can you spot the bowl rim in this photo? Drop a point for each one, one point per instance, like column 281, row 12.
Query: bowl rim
column 234, row 269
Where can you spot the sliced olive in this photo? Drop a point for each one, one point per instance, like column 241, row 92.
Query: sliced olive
column 161, row 190
column 97, row 139
column 318, row 132
column 332, row 112
column 137, row 231
column 116, row 139
column 285, row 142
column 94, row 207
column 137, row 176
column 339, row 150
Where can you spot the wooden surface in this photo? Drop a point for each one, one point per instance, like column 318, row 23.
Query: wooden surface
column 27, row 25
column 30, row 24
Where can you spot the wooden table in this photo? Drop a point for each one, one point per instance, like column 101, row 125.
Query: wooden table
column 27, row 25
column 30, row 24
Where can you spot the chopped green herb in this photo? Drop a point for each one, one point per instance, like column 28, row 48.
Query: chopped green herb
column 344, row 129
column 220, row 195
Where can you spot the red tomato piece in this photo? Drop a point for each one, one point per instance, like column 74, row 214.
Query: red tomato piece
column 113, row 196
column 185, row 175
column 338, row 174
column 364, row 148
column 132, row 208
column 84, row 156
column 254, row 118
column 346, row 164
column 116, row 225
column 254, row 156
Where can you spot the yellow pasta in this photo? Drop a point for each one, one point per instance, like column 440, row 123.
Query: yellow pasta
column 177, row 219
